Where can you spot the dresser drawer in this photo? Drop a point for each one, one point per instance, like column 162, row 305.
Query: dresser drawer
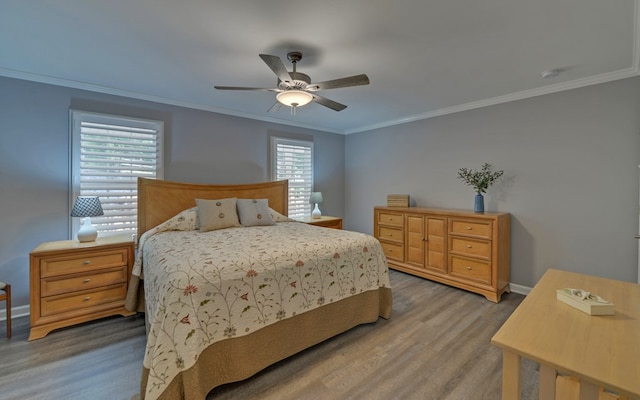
column 86, row 299
column 472, row 228
column 470, row 247
column 391, row 234
column 393, row 219
column 475, row 270
column 393, row 251
column 53, row 286
column 81, row 262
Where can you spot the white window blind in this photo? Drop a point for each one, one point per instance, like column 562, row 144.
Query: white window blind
column 293, row 160
column 109, row 153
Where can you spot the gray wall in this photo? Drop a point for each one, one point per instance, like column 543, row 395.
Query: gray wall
column 201, row 147
column 571, row 175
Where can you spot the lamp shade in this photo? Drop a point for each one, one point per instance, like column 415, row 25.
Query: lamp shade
column 87, row 207
column 316, row 198
column 294, row 98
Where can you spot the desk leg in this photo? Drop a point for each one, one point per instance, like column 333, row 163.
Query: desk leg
column 511, row 376
column 547, row 384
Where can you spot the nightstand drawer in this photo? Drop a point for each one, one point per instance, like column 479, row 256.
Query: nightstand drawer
column 473, row 228
column 82, row 300
column 473, row 248
column 471, row 269
column 391, row 234
column 52, row 286
column 81, row 262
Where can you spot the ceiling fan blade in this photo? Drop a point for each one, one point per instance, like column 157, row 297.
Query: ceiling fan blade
column 245, row 88
column 334, row 105
column 356, row 80
column 276, row 65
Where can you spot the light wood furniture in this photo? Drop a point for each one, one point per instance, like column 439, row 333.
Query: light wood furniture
column 73, row 282
column 325, row 221
column 599, row 351
column 463, row 249
column 6, row 297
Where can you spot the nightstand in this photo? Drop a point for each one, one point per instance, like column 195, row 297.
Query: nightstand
column 326, row 221
column 73, row 282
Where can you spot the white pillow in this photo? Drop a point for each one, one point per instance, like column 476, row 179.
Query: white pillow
column 254, row 212
column 217, row 214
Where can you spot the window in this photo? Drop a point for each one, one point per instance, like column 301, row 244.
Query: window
column 293, row 160
column 108, row 154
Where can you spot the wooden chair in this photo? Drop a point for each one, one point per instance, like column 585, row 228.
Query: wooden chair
column 6, row 296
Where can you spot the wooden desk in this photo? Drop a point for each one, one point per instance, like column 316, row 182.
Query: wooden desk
column 600, row 351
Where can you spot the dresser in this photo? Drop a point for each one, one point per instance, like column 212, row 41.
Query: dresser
column 73, row 282
column 467, row 250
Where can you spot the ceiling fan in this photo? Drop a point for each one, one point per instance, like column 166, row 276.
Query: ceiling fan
column 295, row 88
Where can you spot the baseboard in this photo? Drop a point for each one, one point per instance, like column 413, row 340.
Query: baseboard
column 520, row 289
column 15, row 312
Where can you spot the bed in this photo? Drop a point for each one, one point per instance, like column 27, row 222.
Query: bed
column 222, row 304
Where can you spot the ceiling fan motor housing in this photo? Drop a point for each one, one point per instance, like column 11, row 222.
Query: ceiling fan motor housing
column 300, row 81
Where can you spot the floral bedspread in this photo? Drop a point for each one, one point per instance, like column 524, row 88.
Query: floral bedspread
column 205, row 287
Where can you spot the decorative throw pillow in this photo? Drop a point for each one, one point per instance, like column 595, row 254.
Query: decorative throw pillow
column 254, row 212
column 217, row 214
column 277, row 217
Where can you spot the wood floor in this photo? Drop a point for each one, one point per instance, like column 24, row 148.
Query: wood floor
column 435, row 346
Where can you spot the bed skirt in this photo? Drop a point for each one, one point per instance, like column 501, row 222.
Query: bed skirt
column 239, row 358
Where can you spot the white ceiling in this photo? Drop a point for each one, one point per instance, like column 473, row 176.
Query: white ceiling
column 423, row 57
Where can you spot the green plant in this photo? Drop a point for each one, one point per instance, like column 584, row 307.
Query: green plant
column 480, row 180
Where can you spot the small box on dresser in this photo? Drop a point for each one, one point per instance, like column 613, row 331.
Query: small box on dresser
column 73, row 282
column 398, row 200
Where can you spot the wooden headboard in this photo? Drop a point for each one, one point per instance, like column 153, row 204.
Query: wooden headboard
column 159, row 200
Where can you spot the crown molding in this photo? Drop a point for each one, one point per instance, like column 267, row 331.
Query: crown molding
column 525, row 94
column 69, row 83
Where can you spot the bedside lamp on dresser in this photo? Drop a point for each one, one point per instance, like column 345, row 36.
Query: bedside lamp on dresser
column 316, row 198
column 87, row 207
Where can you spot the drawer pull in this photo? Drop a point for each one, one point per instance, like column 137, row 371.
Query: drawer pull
column 469, row 228
column 86, row 280
column 87, row 262
column 87, row 298
column 468, row 246
column 469, row 268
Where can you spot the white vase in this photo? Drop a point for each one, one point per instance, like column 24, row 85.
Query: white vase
column 316, row 212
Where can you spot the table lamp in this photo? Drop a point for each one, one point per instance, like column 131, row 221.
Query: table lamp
column 316, row 198
column 87, row 207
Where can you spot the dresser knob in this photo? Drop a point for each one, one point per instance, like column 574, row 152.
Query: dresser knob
column 87, row 262
column 469, row 228
column 87, row 298
column 469, row 268
column 468, row 246
column 86, row 280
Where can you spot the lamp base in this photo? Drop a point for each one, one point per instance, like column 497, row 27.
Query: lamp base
column 316, row 212
column 87, row 232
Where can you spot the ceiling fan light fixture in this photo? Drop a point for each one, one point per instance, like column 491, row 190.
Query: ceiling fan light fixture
column 294, row 98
